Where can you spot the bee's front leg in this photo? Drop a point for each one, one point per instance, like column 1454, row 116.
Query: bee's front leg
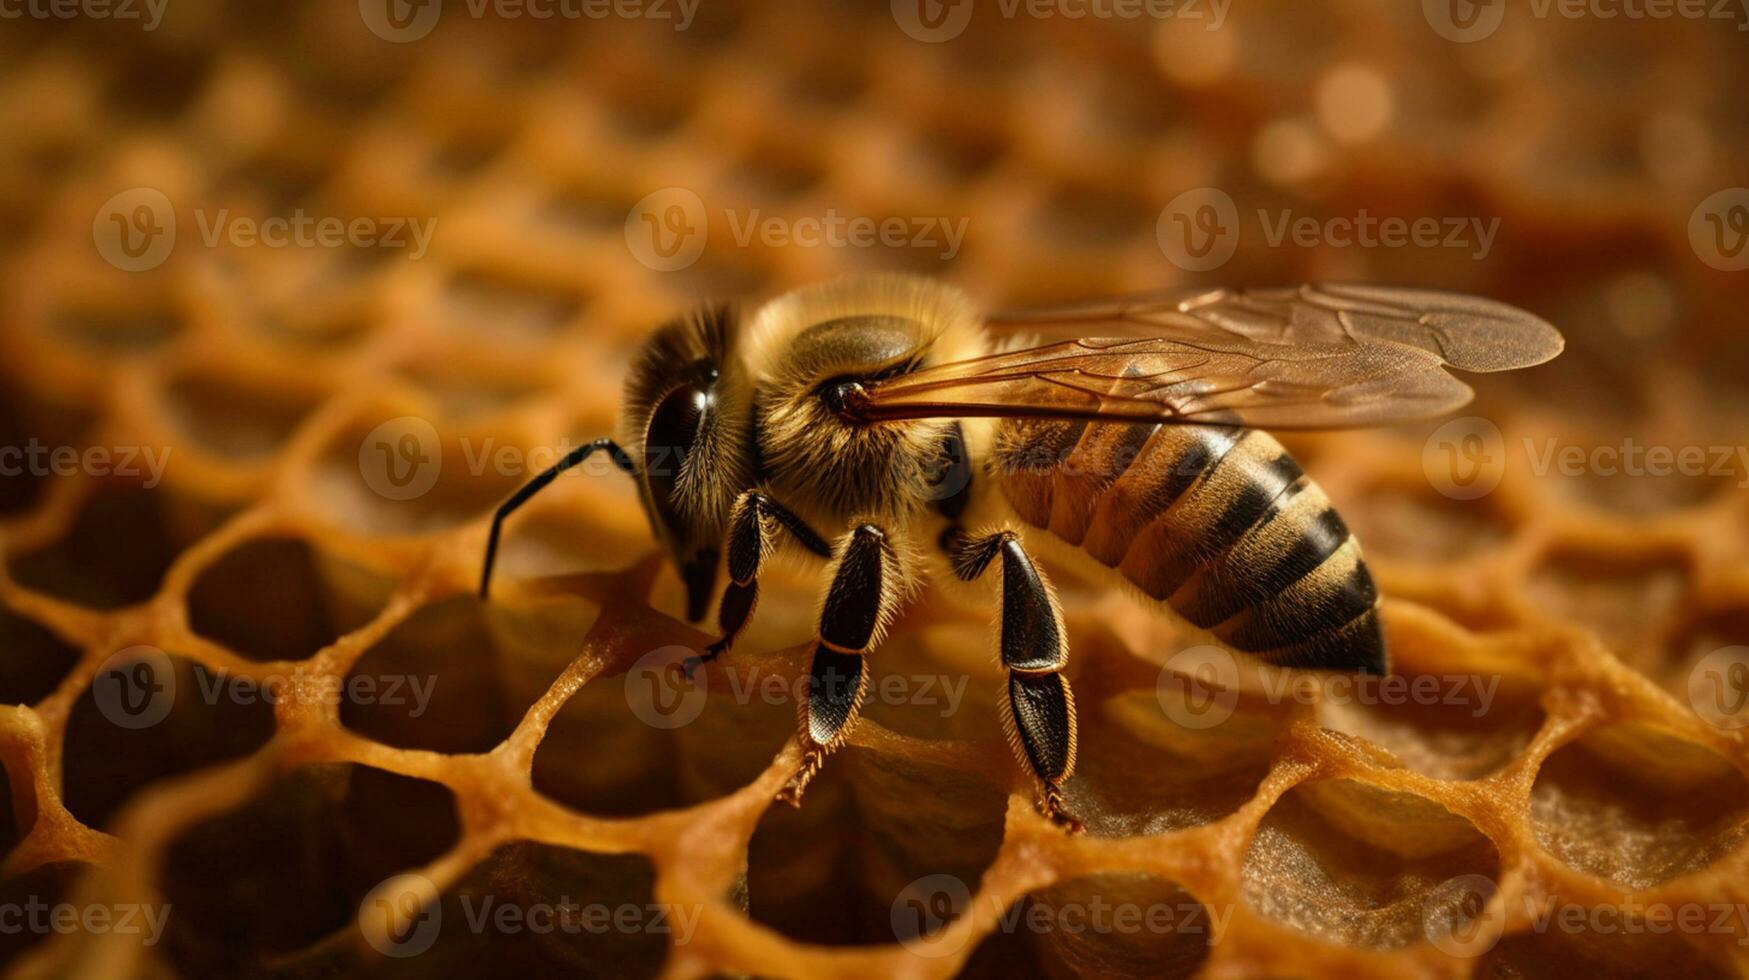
column 754, row 523
column 866, row 585
column 1039, row 708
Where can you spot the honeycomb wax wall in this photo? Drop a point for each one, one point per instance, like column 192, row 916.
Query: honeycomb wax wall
column 256, row 723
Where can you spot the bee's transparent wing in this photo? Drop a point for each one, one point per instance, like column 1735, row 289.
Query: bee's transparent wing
column 1303, row 357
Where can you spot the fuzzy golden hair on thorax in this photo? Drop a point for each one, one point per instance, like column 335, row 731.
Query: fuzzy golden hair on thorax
column 859, row 327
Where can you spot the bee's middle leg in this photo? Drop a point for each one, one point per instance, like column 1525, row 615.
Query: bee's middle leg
column 1039, row 708
column 865, row 589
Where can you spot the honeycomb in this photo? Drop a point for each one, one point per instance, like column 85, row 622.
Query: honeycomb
column 256, row 723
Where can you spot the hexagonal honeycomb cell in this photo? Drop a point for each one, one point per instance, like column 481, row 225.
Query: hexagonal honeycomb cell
column 256, row 722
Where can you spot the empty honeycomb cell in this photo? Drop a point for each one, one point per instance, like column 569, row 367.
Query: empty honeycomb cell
column 773, row 174
column 1360, row 865
column 832, row 84
column 1445, row 725
column 114, row 554
column 396, row 475
column 1418, row 524
column 1094, row 216
column 1638, row 805
column 119, row 333
column 499, row 303
column 720, row 271
column 1627, row 601
column 1687, row 672
column 568, row 539
column 870, row 825
column 464, row 153
column 1142, row 772
column 319, row 333
column 651, row 111
column 1114, row 924
column 26, row 425
column 1616, row 948
column 540, row 910
column 959, row 148
column 648, row 740
column 134, row 726
column 279, row 186
column 11, row 832
column 251, row 889
column 437, row 681
column 467, row 386
column 43, row 888
column 33, row 659
column 304, row 612
column 160, row 83
column 587, row 208
column 234, row 416
column 1648, row 492
column 923, row 260
column 347, row 87
column 938, row 682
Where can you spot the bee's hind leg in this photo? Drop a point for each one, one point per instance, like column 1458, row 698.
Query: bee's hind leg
column 754, row 523
column 1038, row 707
column 865, row 590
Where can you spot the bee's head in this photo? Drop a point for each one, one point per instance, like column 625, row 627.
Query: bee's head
column 686, row 421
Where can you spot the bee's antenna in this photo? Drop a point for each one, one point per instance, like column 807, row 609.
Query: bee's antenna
column 536, row 485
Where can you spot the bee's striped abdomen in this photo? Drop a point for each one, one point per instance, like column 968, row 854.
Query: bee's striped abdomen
column 1217, row 521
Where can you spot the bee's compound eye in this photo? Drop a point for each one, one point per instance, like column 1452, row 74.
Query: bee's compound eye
column 673, row 428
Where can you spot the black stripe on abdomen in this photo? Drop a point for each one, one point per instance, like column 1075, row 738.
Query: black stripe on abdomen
column 1217, row 521
column 1232, row 494
column 1299, row 533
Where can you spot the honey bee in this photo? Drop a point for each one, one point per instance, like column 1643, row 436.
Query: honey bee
column 875, row 422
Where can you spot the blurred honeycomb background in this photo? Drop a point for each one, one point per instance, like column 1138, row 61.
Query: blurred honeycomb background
column 256, row 724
